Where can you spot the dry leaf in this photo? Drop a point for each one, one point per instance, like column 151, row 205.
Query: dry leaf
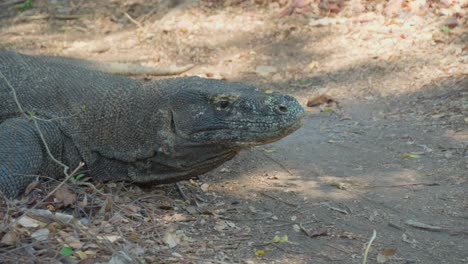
column 452, row 22
column 26, row 221
column 205, row 187
column 9, row 239
column 319, row 100
column 88, row 261
column 41, row 234
column 65, row 195
column 385, row 255
column 83, row 203
column 31, row 187
column 171, row 239
column 107, row 206
column 313, row 65
column 70, row 240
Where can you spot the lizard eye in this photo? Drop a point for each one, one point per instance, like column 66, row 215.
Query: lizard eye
column 223, row 104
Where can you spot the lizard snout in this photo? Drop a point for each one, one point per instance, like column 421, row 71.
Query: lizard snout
column 286, row 105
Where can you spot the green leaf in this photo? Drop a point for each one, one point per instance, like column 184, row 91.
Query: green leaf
column 445, row 29
column 66, row 251
column 411, row 156
column 328, row 110
column 278, row 239
column 79, row 176
column 25, row 5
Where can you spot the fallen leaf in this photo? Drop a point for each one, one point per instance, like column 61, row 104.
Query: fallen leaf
column 41, row 234
column 66, row 251
column 26, row 221
column 385, row 255
column 445, row 29
column 31, row 187
column 317, row 232
column 113, row 238
column 205, row 187
column 9, row 239
column 87, row 261
column 221, row 226
column 278, row 239
column 297, row 228
column 65, row 195
column 411, row 155
column 66, row 218
column 313, row 65
column 170, row 238
column 451, row 22
column 319, row 100
column 83, row 203
column 259, row 252
column 338, row 185
column 70, row 240
column 107, row 206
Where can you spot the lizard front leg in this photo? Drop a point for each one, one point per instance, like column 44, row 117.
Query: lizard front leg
column 22, row 153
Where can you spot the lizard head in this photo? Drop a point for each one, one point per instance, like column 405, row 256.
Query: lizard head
column 228, row 113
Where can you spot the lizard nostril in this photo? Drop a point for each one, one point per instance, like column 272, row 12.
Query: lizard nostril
column 282, row 108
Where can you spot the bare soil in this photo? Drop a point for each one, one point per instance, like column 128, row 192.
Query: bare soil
column 389, row 152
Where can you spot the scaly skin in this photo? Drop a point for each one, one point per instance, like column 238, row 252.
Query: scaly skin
column 160, row 131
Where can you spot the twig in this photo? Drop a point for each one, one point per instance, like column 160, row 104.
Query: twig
column 279, row 200
column 14, row 2
column 277, row 162
column 58, row 17
column 340, row 249
column 287, row 250
column 150, row 13
column 246, row 219
column 374, row 235
column 405, row 185
column 182, row 193
column 138, row 24
column 335, row 208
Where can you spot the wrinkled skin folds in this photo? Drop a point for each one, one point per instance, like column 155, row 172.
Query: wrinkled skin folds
column 122, row 129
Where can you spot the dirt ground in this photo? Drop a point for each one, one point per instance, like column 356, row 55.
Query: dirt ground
column 388, row 151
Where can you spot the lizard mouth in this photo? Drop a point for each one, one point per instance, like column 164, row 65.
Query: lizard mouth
column 245, row 137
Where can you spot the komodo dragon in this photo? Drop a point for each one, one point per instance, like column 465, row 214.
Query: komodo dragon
column 159, row 131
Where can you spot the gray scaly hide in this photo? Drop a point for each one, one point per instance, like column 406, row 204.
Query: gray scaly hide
column 123, row 129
